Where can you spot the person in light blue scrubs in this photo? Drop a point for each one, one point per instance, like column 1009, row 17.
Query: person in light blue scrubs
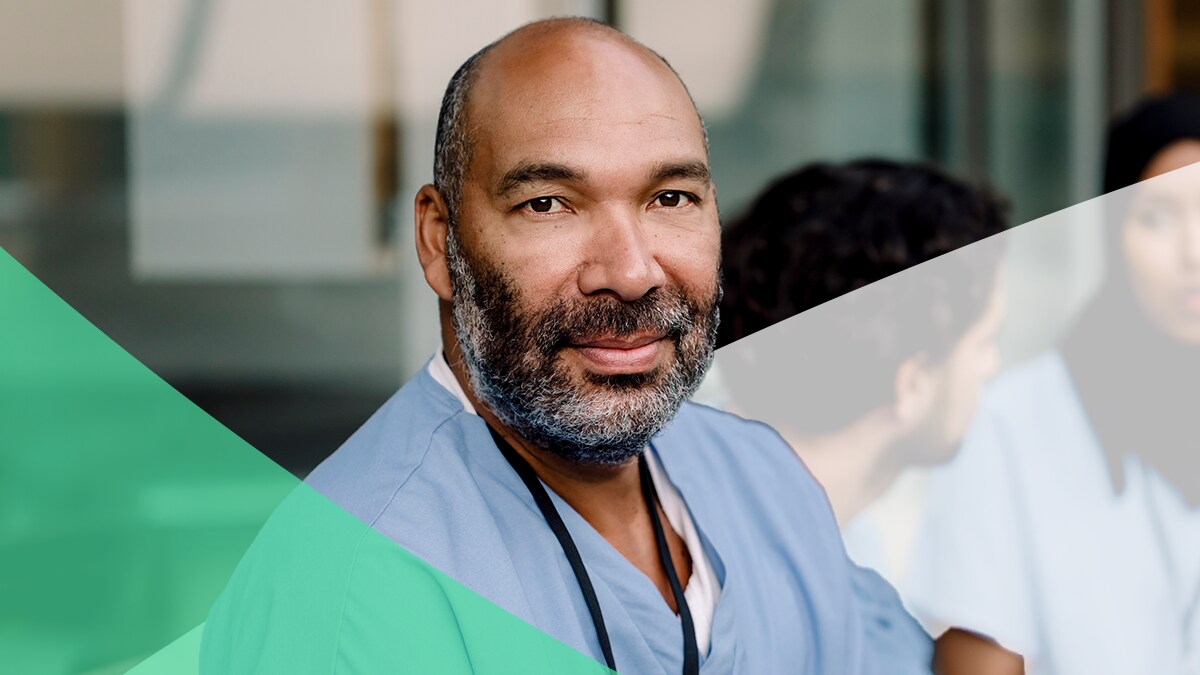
column 545, row 457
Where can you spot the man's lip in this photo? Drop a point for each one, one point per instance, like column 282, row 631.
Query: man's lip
column 629, row 342
column 1191, row 299
column 621, row 356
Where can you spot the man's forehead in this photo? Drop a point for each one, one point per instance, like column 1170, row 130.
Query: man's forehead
column 549, row 86
column 534, row 172
column 542, row 45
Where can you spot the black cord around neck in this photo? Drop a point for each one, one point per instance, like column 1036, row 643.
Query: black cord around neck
column 691, row 652
column 546, row 506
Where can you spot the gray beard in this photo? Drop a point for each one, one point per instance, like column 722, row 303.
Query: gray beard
column 512, row 358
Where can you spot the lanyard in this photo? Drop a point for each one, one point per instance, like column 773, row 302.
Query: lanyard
column 691, row 653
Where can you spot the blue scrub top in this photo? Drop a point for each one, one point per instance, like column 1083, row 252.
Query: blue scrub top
column 427, row 475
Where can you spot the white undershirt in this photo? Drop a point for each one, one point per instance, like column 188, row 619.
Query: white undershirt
column 702, row 589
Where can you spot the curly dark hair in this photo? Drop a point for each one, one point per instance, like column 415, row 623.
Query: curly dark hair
column 829, row 229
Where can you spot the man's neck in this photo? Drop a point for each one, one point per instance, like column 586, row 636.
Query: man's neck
column 608, row 497
column 854, row 464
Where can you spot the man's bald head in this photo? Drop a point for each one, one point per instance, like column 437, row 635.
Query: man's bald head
column 455, row 140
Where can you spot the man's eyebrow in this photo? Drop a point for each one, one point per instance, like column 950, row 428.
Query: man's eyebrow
column 697, row 171
column 525, row 174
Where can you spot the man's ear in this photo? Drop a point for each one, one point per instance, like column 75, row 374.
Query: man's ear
column 914, row 389
column 433, row 224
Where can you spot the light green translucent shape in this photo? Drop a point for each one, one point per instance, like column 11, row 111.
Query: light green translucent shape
column 123, row 506
column 181, row 657
column 321, row 592
column 124, row 509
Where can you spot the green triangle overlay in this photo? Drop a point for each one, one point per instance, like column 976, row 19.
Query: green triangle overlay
column 124, row 510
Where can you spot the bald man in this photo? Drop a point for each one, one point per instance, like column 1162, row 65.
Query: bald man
column 545, row 458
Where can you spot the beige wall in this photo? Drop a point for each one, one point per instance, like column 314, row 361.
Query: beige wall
column 60, row 53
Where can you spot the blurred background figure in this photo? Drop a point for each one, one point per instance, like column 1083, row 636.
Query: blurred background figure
column 1134, row 355
column 1067, row 528
column 885, row 378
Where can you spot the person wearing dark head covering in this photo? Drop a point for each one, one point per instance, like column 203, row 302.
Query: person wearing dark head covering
column 1068, row 528
column 1135, row 353
column 1135, row 138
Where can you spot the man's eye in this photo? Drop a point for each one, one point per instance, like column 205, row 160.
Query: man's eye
column 673, row 200
column 1153, row 217
column 545, row 205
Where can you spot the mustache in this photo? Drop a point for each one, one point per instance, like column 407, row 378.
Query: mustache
column 662, row 311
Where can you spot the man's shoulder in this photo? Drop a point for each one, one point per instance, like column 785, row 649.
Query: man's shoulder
column 722, row 437
column 749, row 493
column 367, row 471
column 731, row 453
column 723, row 426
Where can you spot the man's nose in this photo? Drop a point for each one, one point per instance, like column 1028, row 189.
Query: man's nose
column 621, row 259
column 991, row 361
column 1189, row 247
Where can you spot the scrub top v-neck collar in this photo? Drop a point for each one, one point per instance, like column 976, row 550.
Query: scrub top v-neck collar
column 706, row 585
column 620, row 580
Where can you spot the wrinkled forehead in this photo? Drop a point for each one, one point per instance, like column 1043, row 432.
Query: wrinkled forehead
column 559, row 96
